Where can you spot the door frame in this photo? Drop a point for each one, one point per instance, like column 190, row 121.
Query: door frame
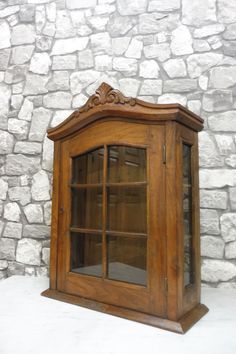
column 150, row 299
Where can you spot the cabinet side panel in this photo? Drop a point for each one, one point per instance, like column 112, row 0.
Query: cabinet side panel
column 189, row 292
column 173, row 269
column 54, row 221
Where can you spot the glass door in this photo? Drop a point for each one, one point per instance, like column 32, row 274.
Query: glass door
column 109, row 214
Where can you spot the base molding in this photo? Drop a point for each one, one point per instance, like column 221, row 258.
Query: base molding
column 181, row 326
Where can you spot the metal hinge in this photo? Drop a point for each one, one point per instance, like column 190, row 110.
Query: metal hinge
column 164, row 153
column 166, row 285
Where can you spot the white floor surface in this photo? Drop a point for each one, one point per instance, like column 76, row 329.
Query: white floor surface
column 32, row 324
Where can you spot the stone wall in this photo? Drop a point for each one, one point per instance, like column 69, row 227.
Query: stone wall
column 54, row 54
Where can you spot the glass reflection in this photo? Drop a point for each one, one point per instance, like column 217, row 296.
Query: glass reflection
column 127, row 259
column 187, row 215
column 86, row 254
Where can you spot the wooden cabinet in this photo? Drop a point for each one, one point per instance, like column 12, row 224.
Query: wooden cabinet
column 125, row 219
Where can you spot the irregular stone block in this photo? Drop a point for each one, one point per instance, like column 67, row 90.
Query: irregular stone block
column 217, row 270
column 65, row 62
column 103, row 62
column 232, row 197
column 4, row 58
column 34, row 213
column 230, row 32
column 230, row 250
column 149, row 69
column 198, row 14
column 9, row 10
column 70, row 45
column 120, row 45
column 6, row 142
column 26, row 110
column 47, row 161
column 160, row 5
column 3, row 264
column 208, row 30
column 59, row 81
column 135, row 49
column 64, row 28
column 212, row 247
column 129, row 87
column 43, row 43
column 15, row 268
column 40, row 122
column 5, row 35
column 29, row 34
column 28, row 251
column 199, row 63
column 225, row 122
column 27, row 13
column 75, row 4
column 80, row 80
column 101, row 43
column 15, row 74
column 231, row 161
column 3, row 189
column 209, row 222
column 40, row 186
column 20, row 194
column 175, row 68
column 46, row 255
column 12, row 212
column 7, row 249
column 157, row 23
column 19, row 128
column 151, row 87
column 58, row 100
column 5, row 93
column 201, row 45
column 159, row 51
column 217, row 178
column 13, row 230
column 40, row 63
column 172, row 98
column 16, row 101
column 181, row 41
column 120, row 25
column 35, row 84
column 180, row 85
column 208, row 154
column 217, row 100
column 226, row 11
column 223, row 77
column 17, row 165
column 229, row 48
column 133, row 7
column 36, row 231
column 225, row 144
column 213, row 199
column 228, row 226
column 47, row 208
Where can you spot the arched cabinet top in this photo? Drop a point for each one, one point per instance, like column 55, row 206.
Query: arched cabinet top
column 110, row 104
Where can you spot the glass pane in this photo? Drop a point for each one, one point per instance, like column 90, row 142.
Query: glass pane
column 87, row 207
column 126, row 164
column 127, row 209
column 86, row 254
column 127, row 259
column 187, row 214
column 88, row 168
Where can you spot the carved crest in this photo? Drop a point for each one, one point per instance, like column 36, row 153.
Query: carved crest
column 106, row 94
